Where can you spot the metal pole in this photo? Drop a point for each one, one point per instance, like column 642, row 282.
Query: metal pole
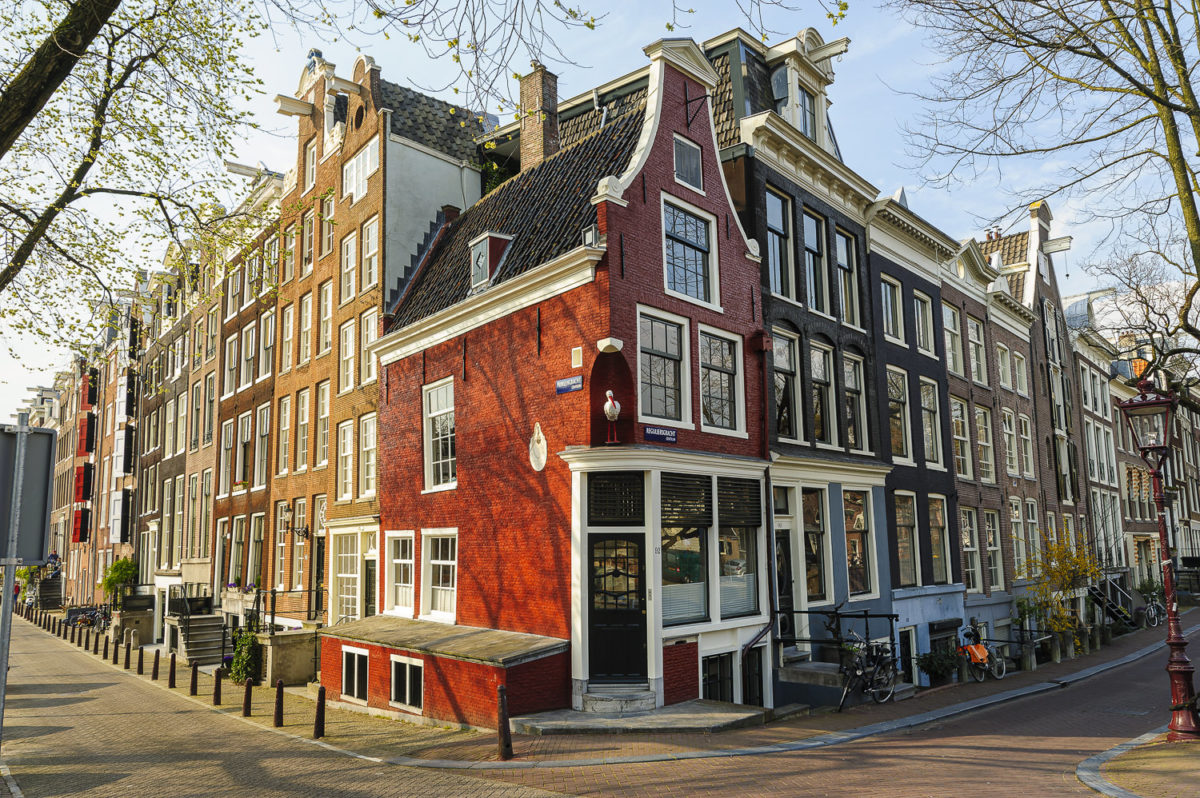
column 1184, row 725
column 10, row 563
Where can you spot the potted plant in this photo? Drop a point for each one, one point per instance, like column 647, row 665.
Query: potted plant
column 939, row 665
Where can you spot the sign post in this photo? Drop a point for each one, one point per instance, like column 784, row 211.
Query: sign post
column 26, row 473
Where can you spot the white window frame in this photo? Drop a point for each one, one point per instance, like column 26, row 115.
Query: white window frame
column 283, row 438
column 977, row 349
column 985, row 451
column 305, row 325
column 345, row 461
column 246, row 367
column 1008, row 429
column 699, row 152
column 427, row 613
column 972, row 565
column 1020, row 374
column 286, row 337
column 358, row 168
column 1025, row 439
column 321, row 457
column 923, row 320
column 934, row 459
column 954, row 350
column 739, row 383
column 916, row 539
column 303, row 423
column 266, row 344
column 262, row 447
column 864, row 434
column 965, row 470
column 347, row 343
column 411, row 662
column 887, row 284
column 714, row 270
column 908, row 443
column 348, row 268
column 427, row 435
column 325, row 320
column 391, row 604
column 685, row 370
column 368, row 455
column 1004, row 366
column 356, row 652
column 370, row 253
column 310, row 165
column 368, row 331
column 830, row 390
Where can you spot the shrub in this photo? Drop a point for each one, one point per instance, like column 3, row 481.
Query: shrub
column 116, row 576
column 247, row 657
column 938, row 664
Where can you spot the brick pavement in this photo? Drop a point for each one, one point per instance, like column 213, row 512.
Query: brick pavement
column 74, row 724
column 1157, row 770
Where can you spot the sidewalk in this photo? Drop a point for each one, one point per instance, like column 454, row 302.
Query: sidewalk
column 385, row 740
column 1147, row 767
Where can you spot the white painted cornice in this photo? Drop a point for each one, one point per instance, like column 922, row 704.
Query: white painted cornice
column 640, row 457
column 686, row 56
column 290, row 106
column 568, row 271
column 783, row 147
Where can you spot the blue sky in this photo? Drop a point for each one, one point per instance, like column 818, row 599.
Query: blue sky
column 886, row 58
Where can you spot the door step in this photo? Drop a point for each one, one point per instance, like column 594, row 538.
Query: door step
column 619, row 699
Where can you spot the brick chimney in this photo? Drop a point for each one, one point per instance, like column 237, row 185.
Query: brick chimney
column 539, row 116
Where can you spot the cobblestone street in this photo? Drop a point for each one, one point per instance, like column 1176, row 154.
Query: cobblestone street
column 76, row 725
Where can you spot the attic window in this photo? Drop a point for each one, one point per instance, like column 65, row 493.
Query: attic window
column 807, row 116
column 479, row 262
column 779, row 89
column 356, row 170
column 687, row 164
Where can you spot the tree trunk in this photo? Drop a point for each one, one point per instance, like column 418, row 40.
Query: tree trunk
column 49, row 66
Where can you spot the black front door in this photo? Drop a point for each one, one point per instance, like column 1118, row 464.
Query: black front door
column 617, row 610
column 369, row 575
column 785, row 583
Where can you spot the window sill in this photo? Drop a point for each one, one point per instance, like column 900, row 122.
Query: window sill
column 855, row 327
column 349, row 699
column 441, row 488
column 830, row 447
column 897, row 341
column 438, row 617
column 821, row 313
column 689, row 186
column 262, row 377
column 665, row 422
column 929, row 354
column 716, row 308
column 728, row 433
column 903, row 461
column 405, row 708
column 979, row 384
column 935, row 466
column 784, row 298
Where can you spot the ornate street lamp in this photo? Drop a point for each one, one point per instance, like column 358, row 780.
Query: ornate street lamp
column 300, row 531
column 1149, row 415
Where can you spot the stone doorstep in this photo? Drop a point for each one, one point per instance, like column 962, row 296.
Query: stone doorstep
column 695, row 716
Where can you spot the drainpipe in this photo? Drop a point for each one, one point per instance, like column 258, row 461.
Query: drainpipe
column 764, row 347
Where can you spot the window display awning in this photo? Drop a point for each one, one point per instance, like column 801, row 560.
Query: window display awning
column 489, row 646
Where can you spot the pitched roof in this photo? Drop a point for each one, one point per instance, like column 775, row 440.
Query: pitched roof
column 1013, row 249
column 544, row 209
column 433, row 123
column 724, row 119
column 574, row 128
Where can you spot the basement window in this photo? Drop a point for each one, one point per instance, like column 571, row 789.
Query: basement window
column 354, row 673
column 408, row 683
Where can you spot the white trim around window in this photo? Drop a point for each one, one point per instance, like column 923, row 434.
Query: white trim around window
column 713, row 260
column 445, row 596
column 738, row 377
column 400, row 576
column 357, row 681
column 408, row 666
column 447, row 477
column 685, row 370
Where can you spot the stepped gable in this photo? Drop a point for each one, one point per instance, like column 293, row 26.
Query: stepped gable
column 431, row 122
column 724, row 119
column 575, row 128
column 1013, row 249
column 545, row 210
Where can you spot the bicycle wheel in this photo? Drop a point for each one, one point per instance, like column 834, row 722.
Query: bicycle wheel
column 997, row 664
column 847, row 686
column 1154, row 614
column 883, row 682
column 978, row 669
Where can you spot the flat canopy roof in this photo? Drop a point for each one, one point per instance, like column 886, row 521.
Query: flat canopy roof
column 489, row 646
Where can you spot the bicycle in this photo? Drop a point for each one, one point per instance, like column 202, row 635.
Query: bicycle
column 1156, row 613
column 872, row 667
column 982, row 658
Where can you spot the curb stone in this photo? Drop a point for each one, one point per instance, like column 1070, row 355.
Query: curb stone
column 817, row 741
column 1088, row 771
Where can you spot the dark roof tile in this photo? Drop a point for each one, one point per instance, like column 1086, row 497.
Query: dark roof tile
column 575, row 128
column 724, row 118
column 435, row 124
column 544, row 209
column 1013, row 248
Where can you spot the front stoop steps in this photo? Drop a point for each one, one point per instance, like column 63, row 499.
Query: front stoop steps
column 618, row 699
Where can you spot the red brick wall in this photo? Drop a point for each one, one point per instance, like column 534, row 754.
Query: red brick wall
column 513, row 522
column 681, row 672
column 464, row 692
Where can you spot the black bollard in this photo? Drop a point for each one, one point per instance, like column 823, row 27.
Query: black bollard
column 217, row 687
column 248, row 698
column 116, row 651
column 141, row 661
column 278, row 703
column 502, row 729
column 96, row 643
column 154, row 667
column 171, row 671
column 87, row 639
column 71, row 639
column 192, row 690
column 319, row 720
column 126, row 655
column 105, row 647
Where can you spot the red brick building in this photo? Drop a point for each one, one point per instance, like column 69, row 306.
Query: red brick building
column 526, row 540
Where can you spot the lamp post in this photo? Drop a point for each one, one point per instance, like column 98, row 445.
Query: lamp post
column 1149, row 415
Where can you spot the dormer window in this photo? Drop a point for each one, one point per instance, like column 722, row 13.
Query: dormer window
column 687, row 164
column 479, row 263
column 807, row 113
column 486, row 252
column 779, row 89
